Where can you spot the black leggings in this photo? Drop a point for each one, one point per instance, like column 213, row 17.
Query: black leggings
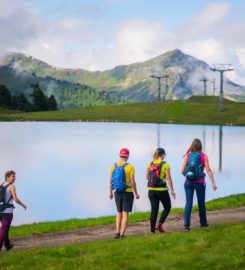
column 156, row 197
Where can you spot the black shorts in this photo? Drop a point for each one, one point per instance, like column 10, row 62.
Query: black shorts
column 124, row 201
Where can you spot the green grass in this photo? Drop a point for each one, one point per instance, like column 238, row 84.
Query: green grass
column 216, row 247
column 198, row 110
column 48, row 227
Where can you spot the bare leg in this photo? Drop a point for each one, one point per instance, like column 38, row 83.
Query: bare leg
column 124, row 222
column 118, row 221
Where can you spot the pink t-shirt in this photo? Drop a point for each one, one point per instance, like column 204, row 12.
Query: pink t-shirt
column 202, row 180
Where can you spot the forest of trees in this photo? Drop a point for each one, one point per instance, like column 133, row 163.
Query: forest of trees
column 40, row 102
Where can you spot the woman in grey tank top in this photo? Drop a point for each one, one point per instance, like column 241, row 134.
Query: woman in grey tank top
column 6, row 215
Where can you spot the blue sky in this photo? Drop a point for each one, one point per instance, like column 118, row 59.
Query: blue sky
column 121, row 10
column 171, row 13
column 99, row 35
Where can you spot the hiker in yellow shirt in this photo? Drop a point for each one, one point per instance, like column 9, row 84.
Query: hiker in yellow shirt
column 122, row 181
column 158, row 176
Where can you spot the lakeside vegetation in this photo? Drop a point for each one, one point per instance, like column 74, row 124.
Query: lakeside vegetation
column 58, row 226
column 196, row 110
column 40, row 102
column 216, row 247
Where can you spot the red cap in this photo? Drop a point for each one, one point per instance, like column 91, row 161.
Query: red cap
column 124, row 152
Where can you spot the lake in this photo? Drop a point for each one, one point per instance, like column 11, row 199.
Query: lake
column 63, row 168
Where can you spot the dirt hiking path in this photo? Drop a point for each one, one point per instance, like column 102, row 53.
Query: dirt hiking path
column 173, row 223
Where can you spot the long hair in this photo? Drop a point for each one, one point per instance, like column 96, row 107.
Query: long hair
column 196, row 146
column 159, row 152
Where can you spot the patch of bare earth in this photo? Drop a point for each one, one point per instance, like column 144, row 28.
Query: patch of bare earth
column 173, row 223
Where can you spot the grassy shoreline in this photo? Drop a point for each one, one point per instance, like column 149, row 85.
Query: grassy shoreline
column 197, row 110
column 217, row 247
column 232, row 201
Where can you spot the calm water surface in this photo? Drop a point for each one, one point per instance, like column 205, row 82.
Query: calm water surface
column 62, row 168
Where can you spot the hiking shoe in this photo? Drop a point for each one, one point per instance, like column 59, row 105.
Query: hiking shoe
column 117, row 236
column 159, row 227
column 186, row 229
column 122, row 236
column 204, row 225
column 9, row 247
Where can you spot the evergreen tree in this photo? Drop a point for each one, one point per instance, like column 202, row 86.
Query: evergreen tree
column 5, row 97
column 21, row 103
column 14, row 103
column 39, row 100
column 52, row 104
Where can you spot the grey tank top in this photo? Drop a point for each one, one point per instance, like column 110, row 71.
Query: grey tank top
column 8, row 195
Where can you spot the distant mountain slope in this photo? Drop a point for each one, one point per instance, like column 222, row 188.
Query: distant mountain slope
column 67, row 94
column 128, row 83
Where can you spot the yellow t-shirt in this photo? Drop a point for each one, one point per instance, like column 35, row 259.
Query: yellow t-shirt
column 129, row 171
column 165, row 167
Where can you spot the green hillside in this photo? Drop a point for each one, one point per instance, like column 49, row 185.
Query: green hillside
column 68, row 95
column 198, row 110
column 122, row 84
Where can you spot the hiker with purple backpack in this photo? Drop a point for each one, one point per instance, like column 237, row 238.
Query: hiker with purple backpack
column 195, row 161
column 159, row 178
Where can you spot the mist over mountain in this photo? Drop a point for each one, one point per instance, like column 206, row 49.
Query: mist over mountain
column 128, row 83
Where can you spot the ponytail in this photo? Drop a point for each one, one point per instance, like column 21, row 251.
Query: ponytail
column 159, row 152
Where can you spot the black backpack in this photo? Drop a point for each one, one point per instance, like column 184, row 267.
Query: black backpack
column 154, row 175
column 3, row 203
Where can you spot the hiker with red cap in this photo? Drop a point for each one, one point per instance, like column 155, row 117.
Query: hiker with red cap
column 122, row 181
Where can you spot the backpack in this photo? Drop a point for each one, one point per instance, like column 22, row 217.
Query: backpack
column 3, row 203
column 154, row 175
column 195, row 166
column 118, row 178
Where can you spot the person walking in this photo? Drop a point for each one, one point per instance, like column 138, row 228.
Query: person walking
column 195, row 161
column 9, row 196
column 159, row 178
column 122, row 181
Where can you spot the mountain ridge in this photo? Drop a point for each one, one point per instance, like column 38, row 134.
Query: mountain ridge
column 124, row 83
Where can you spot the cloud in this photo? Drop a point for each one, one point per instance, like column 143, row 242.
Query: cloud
column 133, row 41
column 241, row 55
column 209, row 50
column 201, row 36
column 88, row 40
column 19, row 25
column 204, row 21
column 68, row 41
column 212, row 37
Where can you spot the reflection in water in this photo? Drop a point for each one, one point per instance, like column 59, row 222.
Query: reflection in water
column 204, row 139
column 62, row 168
column 158, row 136
column 220, row 147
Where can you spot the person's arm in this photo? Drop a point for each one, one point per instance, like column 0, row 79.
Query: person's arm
column 110, row 189
column 209, row 172
column 110, row 183
column 184, row 165
column 133, row 185
column 14, row 195
column 170, row 183
column 147, row 176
